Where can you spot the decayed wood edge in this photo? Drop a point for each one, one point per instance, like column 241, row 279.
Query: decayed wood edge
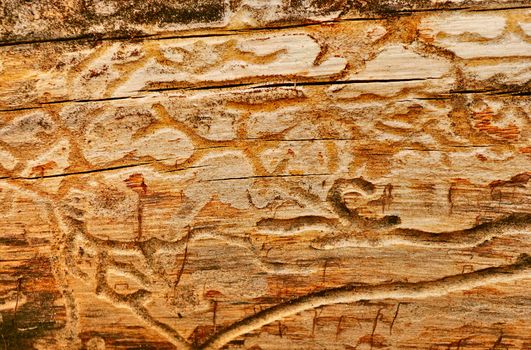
column 351, row 10
column 398, row 290
column 56, row 93
column 344, row 77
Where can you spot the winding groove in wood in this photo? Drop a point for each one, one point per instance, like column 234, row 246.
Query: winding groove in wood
column 349, row 294
column 197, row 175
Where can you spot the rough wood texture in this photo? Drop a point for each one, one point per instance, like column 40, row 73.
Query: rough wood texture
column 251, row 174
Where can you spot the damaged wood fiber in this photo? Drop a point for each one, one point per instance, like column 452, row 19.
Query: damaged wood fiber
column 245, row 174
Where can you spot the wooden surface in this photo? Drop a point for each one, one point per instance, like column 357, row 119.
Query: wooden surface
column 252, row 174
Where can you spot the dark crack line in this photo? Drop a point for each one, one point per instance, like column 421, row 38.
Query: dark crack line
column 266, row 176
column 256, row 86
column 291, row 84
column 341, row 82
column 502, row 8
column 101, row 38
column 78, row 172
column 99, row 170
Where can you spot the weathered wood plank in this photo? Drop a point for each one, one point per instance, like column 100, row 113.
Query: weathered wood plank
column 23, row 21
column 351, row 185
column 449, row 54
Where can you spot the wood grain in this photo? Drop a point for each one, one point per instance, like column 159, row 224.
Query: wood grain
column 265, row 175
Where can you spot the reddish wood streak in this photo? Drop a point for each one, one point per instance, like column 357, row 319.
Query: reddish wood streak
column 314, row 321
column 375, row 323
column 394, row 318
column 497, row 342
column 185, row 256
column 19, row 284
column 214, row 310
column 338, row 329
column 324, row 270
